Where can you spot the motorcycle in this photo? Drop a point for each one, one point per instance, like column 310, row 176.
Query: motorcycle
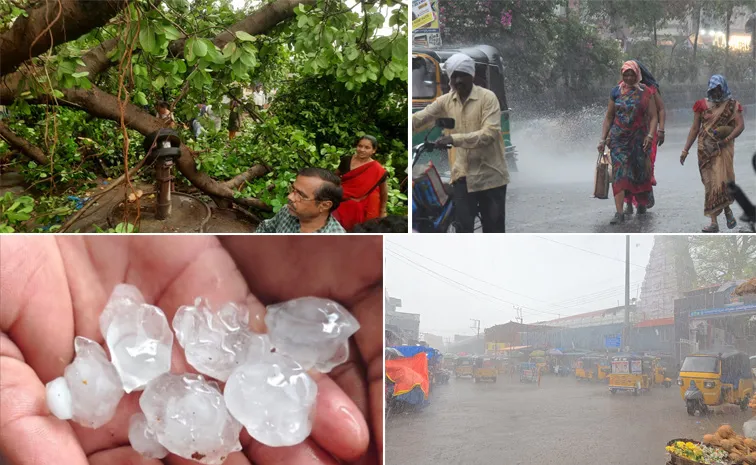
column 694, row 400
column 432, row 204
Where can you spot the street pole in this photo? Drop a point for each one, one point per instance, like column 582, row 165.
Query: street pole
column 627, row 291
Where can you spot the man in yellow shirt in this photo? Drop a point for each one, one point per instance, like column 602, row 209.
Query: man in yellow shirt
column 479, row 172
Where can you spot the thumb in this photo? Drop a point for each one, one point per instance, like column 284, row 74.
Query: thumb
column 29, row 434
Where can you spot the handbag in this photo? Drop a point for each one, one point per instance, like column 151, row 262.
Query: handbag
column 602, row 177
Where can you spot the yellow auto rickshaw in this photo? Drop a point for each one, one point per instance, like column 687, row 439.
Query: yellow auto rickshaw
column 463, row 367
column 540, row 362
column 604, row 369
column 484, row 368
column 714, row 378
column 630, row 373
column 592, row 367
column 659, row 373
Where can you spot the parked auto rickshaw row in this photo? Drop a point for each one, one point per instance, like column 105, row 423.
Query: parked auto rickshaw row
column 478, row 368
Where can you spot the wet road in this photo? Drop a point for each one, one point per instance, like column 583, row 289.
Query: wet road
column 562, row 423
column 553, row 190
column 540, row 202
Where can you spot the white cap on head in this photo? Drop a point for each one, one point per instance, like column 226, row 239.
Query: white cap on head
column 460, row 62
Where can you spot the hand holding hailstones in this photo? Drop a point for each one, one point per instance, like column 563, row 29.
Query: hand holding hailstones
column 268, row 390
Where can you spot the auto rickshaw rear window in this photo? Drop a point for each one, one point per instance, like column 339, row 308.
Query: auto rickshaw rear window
column 423, row 78
column 701, row 364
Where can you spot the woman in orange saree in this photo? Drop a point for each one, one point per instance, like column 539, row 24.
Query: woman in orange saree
column 364, row 183
column 717, row 121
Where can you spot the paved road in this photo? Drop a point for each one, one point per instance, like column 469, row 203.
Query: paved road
column 562, row 423
column 553, row 190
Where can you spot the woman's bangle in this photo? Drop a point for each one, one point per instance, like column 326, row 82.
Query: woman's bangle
column 660, row 130
column 685, row 151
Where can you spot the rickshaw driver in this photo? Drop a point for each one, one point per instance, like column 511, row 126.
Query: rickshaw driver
column 479, row 174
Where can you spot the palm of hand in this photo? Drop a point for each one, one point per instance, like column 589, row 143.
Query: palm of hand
column 54, row 289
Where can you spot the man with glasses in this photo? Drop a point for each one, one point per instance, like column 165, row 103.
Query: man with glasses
column 314, row 195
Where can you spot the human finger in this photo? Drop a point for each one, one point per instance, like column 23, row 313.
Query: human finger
column 121, row 456
column 29, row 435
column 339, row 426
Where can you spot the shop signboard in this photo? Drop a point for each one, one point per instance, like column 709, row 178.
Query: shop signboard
column 613, row 342
column 726, row 311
column 426, row 30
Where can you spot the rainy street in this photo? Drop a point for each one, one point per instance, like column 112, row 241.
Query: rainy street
column 553, row 190
column 563, row 422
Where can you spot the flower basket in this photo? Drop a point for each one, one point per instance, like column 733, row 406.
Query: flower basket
column 676, row 459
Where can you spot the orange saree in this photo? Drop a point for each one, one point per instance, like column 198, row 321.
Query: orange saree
column 362, row 195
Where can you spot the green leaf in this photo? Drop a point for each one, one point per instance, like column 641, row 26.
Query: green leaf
column 57, row 93
column 140, row 98
column 171, row 33
column 189, row 50
column 229, row 49
column 380, row 43
column 388, row 73
column 159, row 82
column 249, row 60
column 199, row 48
column 399, row 49
column 244, row 37
column 147, row 39
column 81, row 74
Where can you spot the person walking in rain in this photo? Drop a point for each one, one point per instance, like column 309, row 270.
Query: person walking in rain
column 479, row 172
column 717, row 121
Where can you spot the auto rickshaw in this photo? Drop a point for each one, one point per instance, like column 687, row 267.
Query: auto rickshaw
column 528, row 372
column 630, row 374
column 484, row 368
column 430, row 83
column 713, row 378
column 463, row 367
column 660, row 373
column 540, row 362
column 592, row 368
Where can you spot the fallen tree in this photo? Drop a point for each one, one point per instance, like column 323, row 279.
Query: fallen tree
column 134, row 52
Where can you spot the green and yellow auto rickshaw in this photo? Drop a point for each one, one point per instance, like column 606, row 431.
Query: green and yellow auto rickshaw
column 714, row 378
column 463, row 367
column 630, row 374
column 429, row 82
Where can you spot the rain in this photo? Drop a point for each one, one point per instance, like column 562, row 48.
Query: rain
column 553, row 71
column 569, row 349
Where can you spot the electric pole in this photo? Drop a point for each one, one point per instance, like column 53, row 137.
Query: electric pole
column 476, row 326
column 626, row 342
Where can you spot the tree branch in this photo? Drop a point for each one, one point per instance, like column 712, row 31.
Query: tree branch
column 26, row 40
column 258, row 22
column 26, row 147
column 104, row 105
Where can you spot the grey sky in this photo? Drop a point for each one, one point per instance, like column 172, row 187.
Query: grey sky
column 546, row 275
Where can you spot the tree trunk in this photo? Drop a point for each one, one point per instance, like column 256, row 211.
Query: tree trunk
column 656, row 41
column 727, row 39
column 68, row 20
column 26, row 147
column 694, row 73
column 104, row 105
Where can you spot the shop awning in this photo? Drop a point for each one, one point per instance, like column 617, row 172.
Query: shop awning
column 655, row 323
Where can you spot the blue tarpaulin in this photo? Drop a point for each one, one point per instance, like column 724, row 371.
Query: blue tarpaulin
column 410, row 351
